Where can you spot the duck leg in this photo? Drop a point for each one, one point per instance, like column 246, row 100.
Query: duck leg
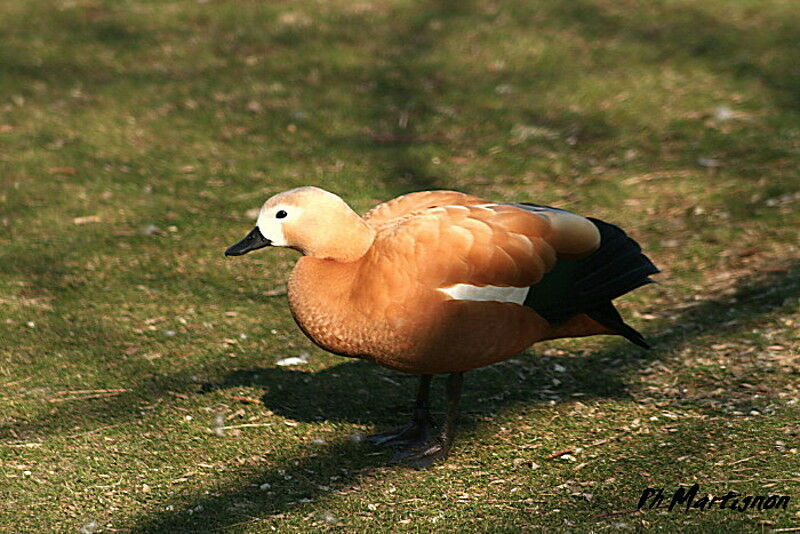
column 416, row 432
column 422, row 457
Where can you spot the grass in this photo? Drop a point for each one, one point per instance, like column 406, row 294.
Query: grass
column 136, row 138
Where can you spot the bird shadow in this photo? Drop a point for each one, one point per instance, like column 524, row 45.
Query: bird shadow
column 359, row 393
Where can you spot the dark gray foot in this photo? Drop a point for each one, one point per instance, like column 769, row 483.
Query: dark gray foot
column 422, row 457
column 412, row 434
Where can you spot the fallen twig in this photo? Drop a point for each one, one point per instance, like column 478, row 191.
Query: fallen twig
column 756, row 480
column 559, row 453
column 742, row 460
column 247, row 425
column 93, row 431
column 15, row 382
column 246, row 400
column 511, row 501
column 98, row 396
column 76, row 391
column 614, row 514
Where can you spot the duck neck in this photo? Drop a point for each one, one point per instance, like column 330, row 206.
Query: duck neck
column 319, row 293
column 345, row 240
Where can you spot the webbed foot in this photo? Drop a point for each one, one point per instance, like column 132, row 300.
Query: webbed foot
column 413, row 434
column 424, row 456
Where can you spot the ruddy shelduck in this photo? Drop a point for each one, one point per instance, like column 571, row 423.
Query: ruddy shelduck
column 444, row 282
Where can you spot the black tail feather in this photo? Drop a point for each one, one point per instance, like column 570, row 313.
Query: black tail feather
column 616, row 268
column 608, row 316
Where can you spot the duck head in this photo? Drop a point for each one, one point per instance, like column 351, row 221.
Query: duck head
column 311, row 220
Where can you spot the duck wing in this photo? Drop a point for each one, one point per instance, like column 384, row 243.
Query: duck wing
column 553, row 261
column 478, row 243
column 397, row 210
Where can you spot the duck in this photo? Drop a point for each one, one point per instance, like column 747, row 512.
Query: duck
column 443, row 282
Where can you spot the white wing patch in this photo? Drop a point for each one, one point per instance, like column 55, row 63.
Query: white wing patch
column 486, row 293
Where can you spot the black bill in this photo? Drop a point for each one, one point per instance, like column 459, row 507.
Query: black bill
column 252, row 241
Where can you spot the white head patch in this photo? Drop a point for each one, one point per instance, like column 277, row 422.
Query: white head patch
column 271, row 225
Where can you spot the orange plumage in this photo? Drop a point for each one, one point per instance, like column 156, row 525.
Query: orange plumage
column 444, row 282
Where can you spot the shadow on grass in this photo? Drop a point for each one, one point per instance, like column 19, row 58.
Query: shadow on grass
column 675, row 30
column 70, row 333
column 348, row 392
column 404, row 96
column 410, row 82
column 710, row 450
column 352, row 392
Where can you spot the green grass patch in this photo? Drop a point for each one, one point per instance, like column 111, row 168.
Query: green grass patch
column 136, row 138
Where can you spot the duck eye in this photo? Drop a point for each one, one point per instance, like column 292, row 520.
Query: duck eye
column 281, row 214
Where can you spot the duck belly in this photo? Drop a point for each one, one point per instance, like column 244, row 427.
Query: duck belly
column 408, row 327
column 425, row 336
column 456, row 336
